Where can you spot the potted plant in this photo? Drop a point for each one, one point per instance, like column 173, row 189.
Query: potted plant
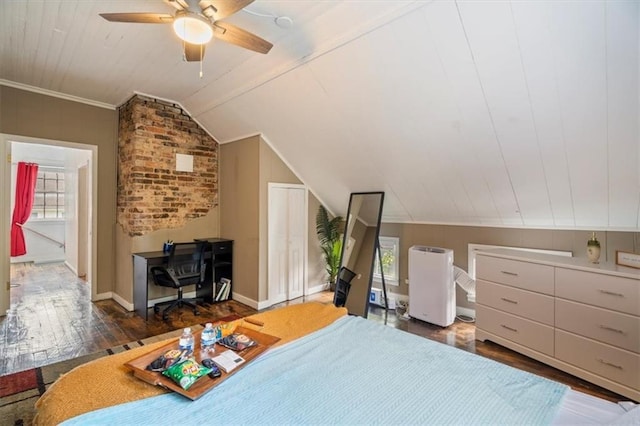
column 328, row 231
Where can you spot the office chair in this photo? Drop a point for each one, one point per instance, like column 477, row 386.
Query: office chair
column 343, row 285
column 184, row 267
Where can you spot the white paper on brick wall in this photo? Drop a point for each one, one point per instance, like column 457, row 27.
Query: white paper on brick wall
column 184, row 163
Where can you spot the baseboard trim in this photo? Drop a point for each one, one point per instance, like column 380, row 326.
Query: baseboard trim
column 102, row 296
column 128, row 306
column 74, row 270
column 317, row 289
column 246, row 301
column 111, row 295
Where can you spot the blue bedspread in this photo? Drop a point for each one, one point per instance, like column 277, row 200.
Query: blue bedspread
column 356, row 372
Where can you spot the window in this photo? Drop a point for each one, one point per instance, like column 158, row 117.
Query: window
column 48, row 201
column 390, row 250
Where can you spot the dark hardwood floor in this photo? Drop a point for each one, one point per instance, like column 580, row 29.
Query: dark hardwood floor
column 52, row 319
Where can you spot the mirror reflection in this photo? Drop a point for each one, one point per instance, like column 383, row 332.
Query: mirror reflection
column 361, row 231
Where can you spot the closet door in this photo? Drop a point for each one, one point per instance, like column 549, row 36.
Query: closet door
column 287, row 241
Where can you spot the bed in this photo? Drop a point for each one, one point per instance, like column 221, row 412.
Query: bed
column 330, row 368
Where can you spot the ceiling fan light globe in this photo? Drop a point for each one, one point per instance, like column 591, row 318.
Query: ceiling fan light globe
column 193, row 29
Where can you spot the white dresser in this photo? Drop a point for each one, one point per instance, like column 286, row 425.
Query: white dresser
column 579, row 317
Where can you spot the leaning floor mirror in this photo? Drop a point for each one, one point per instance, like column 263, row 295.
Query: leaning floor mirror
column 361, row 231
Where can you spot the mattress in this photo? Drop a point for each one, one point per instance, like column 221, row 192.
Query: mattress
column 333, row 368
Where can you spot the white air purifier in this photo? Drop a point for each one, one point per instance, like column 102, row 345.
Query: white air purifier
column 432, row 291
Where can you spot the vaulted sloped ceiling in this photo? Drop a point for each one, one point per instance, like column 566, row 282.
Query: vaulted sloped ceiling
column 520, row 113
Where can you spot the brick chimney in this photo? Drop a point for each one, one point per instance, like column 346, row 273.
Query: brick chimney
column 152, row 194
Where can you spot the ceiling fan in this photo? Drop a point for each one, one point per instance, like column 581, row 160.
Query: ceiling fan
column 196, row 22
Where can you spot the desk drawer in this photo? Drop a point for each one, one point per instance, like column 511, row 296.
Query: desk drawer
column 524, row 275
column 606, row 326
column 534, row 335
column 606, row 291
column 527, row 304
column 221, row 248
column 612, row 363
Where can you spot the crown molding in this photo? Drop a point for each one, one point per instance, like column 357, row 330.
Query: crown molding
column 55, row 94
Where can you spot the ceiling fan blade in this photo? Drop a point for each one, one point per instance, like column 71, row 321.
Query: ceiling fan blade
column 239, row 37
column 141, row 18
column 192, row 52
column 178, row 4
column 220, row 9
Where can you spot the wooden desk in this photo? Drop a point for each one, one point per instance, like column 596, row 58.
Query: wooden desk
column 218, row 263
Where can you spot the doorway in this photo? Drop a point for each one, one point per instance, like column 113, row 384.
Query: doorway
column 54, row 236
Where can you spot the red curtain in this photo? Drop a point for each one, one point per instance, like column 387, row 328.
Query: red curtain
column 25, row 188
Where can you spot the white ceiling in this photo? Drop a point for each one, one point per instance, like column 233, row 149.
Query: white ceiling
column 520, row 113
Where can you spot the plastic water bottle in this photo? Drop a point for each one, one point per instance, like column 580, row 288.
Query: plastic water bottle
column 186, row 340
column 208, row 339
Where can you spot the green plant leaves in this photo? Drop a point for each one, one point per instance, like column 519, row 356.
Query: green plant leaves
column 328, row 231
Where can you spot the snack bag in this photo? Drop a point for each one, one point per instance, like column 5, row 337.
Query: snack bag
column 186, row 373
column 166, row 360
column 226, row 329
column 237, row 342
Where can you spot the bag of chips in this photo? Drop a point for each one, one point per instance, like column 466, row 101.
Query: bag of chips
column 166, row 360
column 186, row 373
column 237, row 342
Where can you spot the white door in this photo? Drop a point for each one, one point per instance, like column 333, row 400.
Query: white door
column 297, row 233
column 287, row 241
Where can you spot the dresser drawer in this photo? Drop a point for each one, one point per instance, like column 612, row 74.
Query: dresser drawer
column 525, row 275
column 607, row 361
column 530, row 305
column 606, row 291
column 531, row 334
column 606, row 326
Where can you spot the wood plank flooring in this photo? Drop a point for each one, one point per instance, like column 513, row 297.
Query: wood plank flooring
column 52, row 319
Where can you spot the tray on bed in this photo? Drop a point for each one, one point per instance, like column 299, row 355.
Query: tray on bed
column 204, row 384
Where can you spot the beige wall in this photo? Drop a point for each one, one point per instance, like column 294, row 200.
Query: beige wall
column 239, row 210
column 458, row 237
column 35, row 115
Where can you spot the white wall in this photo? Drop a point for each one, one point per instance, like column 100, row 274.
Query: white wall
column 65, row 159
column 74, row 159
column 41, row 250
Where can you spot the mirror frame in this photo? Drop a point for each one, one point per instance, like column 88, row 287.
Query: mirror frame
column 345, row 240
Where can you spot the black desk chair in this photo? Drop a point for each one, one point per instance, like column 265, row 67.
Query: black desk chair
column 185, row 267
column 343, row 285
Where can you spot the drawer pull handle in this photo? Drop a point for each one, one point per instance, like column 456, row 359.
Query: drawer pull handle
column 513, row 274
column 509, row 328
column 602, row 361
column 615, row 330
column 611, row 293
column 515, row 302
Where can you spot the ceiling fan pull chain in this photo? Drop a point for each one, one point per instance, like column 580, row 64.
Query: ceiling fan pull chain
column 200, row 61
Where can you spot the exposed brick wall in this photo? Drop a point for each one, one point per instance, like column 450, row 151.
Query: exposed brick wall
column 152, row 195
